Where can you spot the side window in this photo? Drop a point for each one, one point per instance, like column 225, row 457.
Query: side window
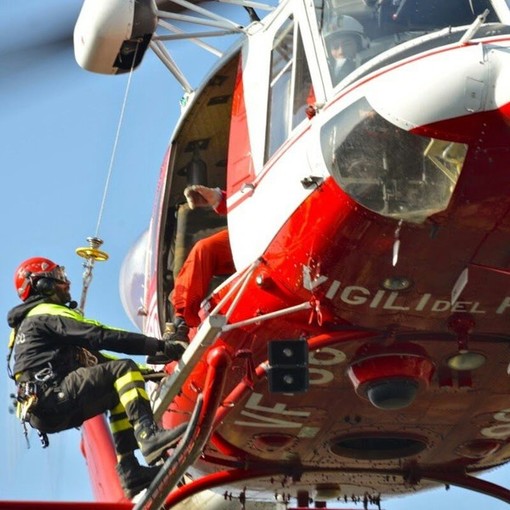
column 280, row 88
column 290, row 87
column 304, row 95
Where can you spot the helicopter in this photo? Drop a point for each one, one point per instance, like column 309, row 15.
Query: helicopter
column 359, row 351
column 368, row 246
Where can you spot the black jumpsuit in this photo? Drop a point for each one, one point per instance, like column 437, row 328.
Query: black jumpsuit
column 58, row 349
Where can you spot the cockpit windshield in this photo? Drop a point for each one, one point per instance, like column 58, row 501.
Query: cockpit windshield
column 389, row 170
column 355, row 31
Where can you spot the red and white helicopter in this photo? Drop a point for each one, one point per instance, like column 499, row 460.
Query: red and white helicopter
column 360, row 351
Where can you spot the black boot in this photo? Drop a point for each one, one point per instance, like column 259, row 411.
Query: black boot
column 133, row 477
column 153, row 441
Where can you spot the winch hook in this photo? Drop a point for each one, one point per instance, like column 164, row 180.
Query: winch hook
column 91, row 254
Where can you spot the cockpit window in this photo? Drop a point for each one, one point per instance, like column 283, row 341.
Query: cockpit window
column 344, row 41
column 431, row 14
column 387, row 169
column 355, row 31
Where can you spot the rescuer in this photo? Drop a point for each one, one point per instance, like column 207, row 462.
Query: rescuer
column 208, row 257
column 63, row 379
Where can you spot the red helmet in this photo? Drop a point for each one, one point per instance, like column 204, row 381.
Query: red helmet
column 33, row 270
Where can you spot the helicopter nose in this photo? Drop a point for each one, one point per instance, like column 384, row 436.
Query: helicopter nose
column 460, row 84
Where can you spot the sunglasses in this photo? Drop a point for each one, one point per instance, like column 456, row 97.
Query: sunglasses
column 58, row 274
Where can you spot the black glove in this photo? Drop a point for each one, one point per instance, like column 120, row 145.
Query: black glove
column 173, row 344
column 174, row 349
column 177, row 331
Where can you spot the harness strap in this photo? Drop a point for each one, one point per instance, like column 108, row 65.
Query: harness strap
column 30, row 386
column 12, row 338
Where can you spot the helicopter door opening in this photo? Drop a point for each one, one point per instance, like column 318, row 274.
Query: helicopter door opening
column 199, row 153
column 184, row 228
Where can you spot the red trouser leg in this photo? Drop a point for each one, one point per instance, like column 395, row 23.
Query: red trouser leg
column 208, row 257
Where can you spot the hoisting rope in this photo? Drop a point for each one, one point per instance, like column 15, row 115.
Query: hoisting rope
column 92, row 253
column 115, row 143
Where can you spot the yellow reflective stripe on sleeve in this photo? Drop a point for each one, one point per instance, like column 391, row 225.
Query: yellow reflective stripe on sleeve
column 109, row 356
column 64, row 311
column 12, row 337
column 120, row 425
column 54, row 309
column 131, row 395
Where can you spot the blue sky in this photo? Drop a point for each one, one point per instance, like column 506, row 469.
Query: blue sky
column 58, row 125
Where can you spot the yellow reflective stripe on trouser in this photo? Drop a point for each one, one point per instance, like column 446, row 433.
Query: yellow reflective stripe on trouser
column 130, row 387
column 132, row 394
column 119, row 420
column 118, row 409
column 128, row 378
column 120, row 425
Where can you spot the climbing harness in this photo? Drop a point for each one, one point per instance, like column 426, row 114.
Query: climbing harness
column 27, row 394
column 27, row 397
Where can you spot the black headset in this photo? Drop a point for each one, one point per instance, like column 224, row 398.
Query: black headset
column 44, row 286
column 47, row 286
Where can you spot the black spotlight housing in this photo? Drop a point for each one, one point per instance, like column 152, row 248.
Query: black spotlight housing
column 288, row 366
column 392, row 393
